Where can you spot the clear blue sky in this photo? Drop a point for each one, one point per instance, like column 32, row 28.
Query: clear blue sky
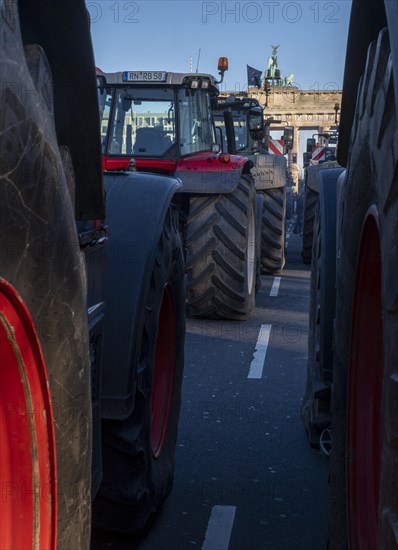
column 163, row 35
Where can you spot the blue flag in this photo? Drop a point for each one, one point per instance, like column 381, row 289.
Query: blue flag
column 253, row 77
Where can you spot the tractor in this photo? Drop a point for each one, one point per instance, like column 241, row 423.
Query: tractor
column 353, row 347
column 92, row 300
column 316, row 159
column 161, row 122
column 249, row 136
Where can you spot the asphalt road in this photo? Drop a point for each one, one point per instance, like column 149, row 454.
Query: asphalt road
column 245, row 477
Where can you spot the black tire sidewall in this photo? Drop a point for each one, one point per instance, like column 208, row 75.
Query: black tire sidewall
column 366, row 187
column 135, row 483
column 273, row 230
column 49, row 274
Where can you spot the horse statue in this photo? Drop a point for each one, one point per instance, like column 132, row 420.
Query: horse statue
column 273, row 71
column 289, row 80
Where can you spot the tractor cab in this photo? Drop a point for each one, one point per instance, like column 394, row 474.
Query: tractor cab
column 156, row 118
column 319, row 153
column 246, row 116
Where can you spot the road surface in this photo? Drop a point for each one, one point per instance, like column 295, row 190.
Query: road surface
column 245, row 478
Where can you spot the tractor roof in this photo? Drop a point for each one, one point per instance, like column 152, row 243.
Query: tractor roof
column 160, row 78
column 239, row 102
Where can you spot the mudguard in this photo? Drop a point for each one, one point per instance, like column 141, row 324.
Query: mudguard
column 136, row 207
column 340, row 186
column 312, row 173
column 206, row 174
column 269, row 171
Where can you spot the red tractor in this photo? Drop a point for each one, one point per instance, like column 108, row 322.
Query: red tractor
column 162, row 122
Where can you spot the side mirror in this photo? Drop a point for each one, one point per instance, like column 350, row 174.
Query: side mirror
column 255, row 122
column 256, row 134
column 288, row 136
column 215, row 148
column 220, row 138
column 306, row 159
column 126, row 104
column 310, row 144
column 101, row 82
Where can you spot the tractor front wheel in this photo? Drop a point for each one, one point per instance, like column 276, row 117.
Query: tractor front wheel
column 221, row 253
column 273, row 230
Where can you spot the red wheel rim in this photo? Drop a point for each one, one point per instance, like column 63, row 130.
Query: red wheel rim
column 28, row 507
column 163, row 373
column 365, row 392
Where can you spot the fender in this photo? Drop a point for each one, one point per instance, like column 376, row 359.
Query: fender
column 200, row 173
column 269, row 171
column 313, row 173
column 340, row 186
column 136, row 208
column 329, row 187
column 209, row 173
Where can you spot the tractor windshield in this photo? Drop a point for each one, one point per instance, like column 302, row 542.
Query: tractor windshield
column 143, row 122
column 196, row 125
column 240, row 128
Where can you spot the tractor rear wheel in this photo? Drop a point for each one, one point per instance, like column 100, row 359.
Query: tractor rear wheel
column 138, row 453
column 311, row 199
column 364, row 475
column 45, row 451
column 273, row 230
column 221, row 253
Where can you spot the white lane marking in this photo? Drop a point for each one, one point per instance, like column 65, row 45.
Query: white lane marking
column 257, row 365
column 288, row 236
column 219, row 528
column 275, row 286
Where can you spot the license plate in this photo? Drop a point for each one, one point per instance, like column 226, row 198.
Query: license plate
column 144, row 76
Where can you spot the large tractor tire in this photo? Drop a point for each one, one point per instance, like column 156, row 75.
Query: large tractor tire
column 364, row 473
column 138, row 452
column 273, row 230
column 311, row 199
column 45, row 432
column 315, row 410
column 221, row 253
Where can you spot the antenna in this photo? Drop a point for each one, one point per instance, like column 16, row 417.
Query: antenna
column 190, row 64
column 197, row 64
